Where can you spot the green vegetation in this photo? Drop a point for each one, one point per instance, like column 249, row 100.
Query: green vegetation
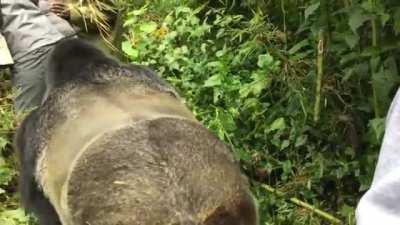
column 10, row 213
column 299, row 89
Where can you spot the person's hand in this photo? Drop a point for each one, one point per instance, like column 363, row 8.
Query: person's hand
column 60, row 9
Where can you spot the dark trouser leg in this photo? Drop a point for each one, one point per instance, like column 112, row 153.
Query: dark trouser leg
column 30, row 35
column 29, row 78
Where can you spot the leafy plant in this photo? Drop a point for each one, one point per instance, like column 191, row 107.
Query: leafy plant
column 231, row 75
column 10, row 212
column 299, row 89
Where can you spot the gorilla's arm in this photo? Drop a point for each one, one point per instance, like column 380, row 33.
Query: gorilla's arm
column 32, row 197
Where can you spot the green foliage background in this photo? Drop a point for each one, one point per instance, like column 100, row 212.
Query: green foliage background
column 299, row 89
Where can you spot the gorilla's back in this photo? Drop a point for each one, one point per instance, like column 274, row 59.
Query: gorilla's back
column 114, row 145
column 158, row 171
column 81, row 116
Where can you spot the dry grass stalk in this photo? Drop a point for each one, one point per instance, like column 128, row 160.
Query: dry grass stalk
column 93, row 12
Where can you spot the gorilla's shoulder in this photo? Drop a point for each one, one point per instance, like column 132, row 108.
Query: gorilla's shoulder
column 75, row 59
column 79, row 62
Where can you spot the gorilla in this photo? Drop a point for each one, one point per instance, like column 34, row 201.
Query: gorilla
column 113, row 144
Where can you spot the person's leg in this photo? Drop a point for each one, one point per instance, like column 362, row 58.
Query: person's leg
column 30, row 35
column 26, row 28
column 28, row 78
column 58, row 14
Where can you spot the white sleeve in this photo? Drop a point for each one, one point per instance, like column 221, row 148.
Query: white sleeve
column 381, row 203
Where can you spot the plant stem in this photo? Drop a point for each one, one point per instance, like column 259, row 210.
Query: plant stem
column 303, row 204
column 323, row 40
column 284, row 23
column 373, row 25
column 320, row 72
column 374, row 68
column 346, row 4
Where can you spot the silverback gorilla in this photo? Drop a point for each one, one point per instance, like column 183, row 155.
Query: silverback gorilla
column 112, row 144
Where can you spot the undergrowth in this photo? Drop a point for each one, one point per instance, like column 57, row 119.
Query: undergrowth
column 298, row 89
column 303, row 112
column 10, row 210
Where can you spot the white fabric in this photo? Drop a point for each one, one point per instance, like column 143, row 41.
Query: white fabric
column 381, row 204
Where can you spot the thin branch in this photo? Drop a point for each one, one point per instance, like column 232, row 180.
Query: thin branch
column 320, row 73
column 303, row 204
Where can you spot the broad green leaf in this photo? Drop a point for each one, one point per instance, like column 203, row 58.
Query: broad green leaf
column 250, row 103
column 278, row 124
column 287, row 166
column 6, row 175
column 241, row 154
column 2, row 162
column 259, row 83
column 220, row 53
column 367, row 6
column 348, row 58
column 302, row 54
column 377, row 127
column 203, row 48
column 3, row 143
column 129, row 50
column 245, row 90
column 311, row 9
column 264, row 60
column 130, row 21
column 138, row 12
column 148, row 27
column 357, row 18
column 285, row 144
column 396, row 19
column 227, row 121
column 215, row 64
column 351, row 39
column 298, row 46
column 384, row 18
column 217, row 93
column 183, row 9
column 18, row 215
column 347, row 211
column 301, row 140
column 214, row 80
column 384, row 80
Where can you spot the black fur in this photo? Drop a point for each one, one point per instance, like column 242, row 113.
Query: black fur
column 75, row 65
column 33, row 198
column 76, row 61
column 71, row 61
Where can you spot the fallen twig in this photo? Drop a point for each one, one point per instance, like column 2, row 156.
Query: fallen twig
column 303, row 204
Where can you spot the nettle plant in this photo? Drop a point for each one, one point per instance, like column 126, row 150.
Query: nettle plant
column 221, row 70
column 231, row 73
column 10, row 213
